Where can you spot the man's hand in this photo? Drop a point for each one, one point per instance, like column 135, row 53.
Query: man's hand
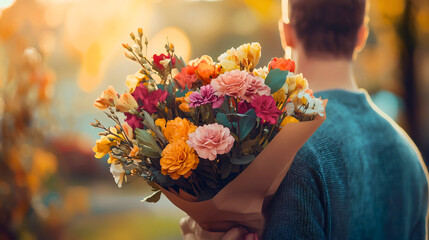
column 192, row 231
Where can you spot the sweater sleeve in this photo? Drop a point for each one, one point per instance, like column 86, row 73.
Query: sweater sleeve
column 296, row 211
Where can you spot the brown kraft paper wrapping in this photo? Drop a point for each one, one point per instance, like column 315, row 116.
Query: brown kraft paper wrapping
column 240, row 203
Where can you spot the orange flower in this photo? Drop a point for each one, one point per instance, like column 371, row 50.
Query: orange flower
column 184, row 102
column 108, row 98
column 102, row 146
column 178, row 129
column 282, row 64
column 128, row 131
column 126, row 102
column 134, row 151
column 178, row 159
column 206, row 69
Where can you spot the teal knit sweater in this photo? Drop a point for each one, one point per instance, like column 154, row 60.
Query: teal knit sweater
column 357, row 177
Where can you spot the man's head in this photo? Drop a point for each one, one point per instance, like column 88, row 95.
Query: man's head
column 325, row 28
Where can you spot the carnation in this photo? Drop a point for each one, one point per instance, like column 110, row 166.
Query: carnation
column 158, row 58
column 233, row 83
column 205, row 96
column 256, row 87
column 266, row 109
column 149, row 100
column 178, row 159
column 211, row 140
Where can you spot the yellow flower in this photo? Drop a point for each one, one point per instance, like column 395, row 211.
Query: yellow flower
column 113, row 160
column 261, row 72
column 108, row 98
column 288, row 119
column 246, row 56
column 228, row 65
column 296, row 83
column 102, row 146
column 178, row 159
column 126, row 103
column 178, row 129
column 252, row 53
column 280, row 97
column 134, row 80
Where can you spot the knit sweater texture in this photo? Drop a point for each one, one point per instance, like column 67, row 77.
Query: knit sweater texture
column 357, row 177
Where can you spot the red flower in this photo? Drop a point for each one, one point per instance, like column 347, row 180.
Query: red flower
column 265, row 108
column 149, row 101
column 243, row 107
column 134, row 121
column 186, row 77
column 158, row 58
column 282, row 64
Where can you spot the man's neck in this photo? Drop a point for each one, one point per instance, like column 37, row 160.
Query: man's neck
column 326, row 74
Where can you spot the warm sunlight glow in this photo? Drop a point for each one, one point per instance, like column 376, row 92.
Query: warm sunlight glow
column 174, row 35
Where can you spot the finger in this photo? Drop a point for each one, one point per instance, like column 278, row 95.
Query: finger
column 236, row 233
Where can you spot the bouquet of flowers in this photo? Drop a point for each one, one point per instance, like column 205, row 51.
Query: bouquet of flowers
column 216, row 138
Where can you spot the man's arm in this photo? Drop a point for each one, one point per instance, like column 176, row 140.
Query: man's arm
column 296, row 211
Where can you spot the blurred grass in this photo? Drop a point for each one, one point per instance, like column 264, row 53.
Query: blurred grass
column 124, row 225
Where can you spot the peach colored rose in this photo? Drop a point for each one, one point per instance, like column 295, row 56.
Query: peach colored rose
column 205, row 69
column 126, row 102
column 233, row 83
column 108, row 98
column 211, row 140
column 256, row 87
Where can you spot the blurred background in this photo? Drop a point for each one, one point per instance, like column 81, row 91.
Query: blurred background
column 57, row 56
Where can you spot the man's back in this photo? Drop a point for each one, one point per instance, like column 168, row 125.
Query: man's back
column 357, row 177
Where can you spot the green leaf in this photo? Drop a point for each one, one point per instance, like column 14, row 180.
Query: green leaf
column 222, row 119
column 275, row 79
column 149, row 152
column 180, row 63
column 149, row 123
column 243, row 160
column 247, row 123
column 154, row 197
column 147, row 139
column 182, row 93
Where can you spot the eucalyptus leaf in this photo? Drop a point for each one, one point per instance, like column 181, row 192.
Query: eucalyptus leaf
column 150, row 123
column 153, row 198
column 147, row 139
column 275, row 79
column 243, row 160
column 149, row 152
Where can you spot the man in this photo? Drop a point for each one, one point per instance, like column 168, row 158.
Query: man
column 359, row 176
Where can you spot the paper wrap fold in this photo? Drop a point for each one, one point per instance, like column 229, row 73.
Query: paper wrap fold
column 241, row 202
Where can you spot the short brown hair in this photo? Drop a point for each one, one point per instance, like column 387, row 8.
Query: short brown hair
column 327, row 27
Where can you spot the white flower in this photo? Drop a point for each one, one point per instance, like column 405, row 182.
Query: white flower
column 315, row 106
column 118, row 173
column 165, row 62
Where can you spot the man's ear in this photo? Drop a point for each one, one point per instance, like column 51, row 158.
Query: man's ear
column 287, row 35
column 362, row 36
column 290, row 36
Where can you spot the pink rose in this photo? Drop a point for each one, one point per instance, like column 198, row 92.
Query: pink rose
column 256, row 87
column 265, row 108
column 210, row 140
column 233, row 83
